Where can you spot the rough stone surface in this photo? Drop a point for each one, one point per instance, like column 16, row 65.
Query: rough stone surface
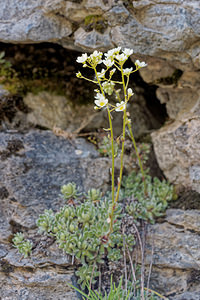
column 189, row 219
column 177, row 148
column 157, row 28
column 166, row 34
column 176, row 256
column 51, row 111
column 33, row 167
column 33, row 21
column 188, row 296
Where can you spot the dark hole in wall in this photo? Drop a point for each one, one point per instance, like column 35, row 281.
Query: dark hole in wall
column 152, row 102
column 51, row 67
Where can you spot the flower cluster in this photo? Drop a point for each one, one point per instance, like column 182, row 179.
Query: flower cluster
column 113, row 60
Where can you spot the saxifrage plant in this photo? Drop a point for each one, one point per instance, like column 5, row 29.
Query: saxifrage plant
column 89, row 227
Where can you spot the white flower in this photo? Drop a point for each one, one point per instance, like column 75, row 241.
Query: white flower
column 96, row 54
column 96, row 57
column 101, row 74
column 128, row 52
column 108, row 220
column 100, row 101
column 127, row 71
column 108, row 62
column 140, row 64
column 111, row 52
column 121, row 57
column 82, row 59
column 120, row 106
column 117, row 49
column 130, row 93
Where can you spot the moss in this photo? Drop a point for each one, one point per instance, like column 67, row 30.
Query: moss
column 9, row 79
column 95, row 22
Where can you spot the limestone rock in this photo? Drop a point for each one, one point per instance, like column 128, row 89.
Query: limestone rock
column 176, row 257
column 51, row 111
column 189, row 219
column 157, row 69
column 188, row 296
column 161, row 29
column 176, row 100
column 175, row 247
column 29, row 21
column 177, row 150
column 92, row 40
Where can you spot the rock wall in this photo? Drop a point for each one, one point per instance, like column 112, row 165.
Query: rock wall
column 164, row 33
column 176, row 260
column 33, row 167
column 167, row 29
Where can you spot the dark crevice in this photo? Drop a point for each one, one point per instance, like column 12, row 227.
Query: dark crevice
column 153, row 104
column 188, row 199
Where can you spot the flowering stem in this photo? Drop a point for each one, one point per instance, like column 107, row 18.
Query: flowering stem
column 113, row 155
column 138, row 157
column 122, row 154
column 112, row 140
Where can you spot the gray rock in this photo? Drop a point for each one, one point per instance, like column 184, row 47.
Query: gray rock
column 158, row 28
column 189, row 219
column 51, row 111
column 188, row 296
column 44, row 283
column 177, row 149
column 176, row 257
column 31, row 21
column 176, row 100
column 157, row 69
column 175, row 247
column 92, row 40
